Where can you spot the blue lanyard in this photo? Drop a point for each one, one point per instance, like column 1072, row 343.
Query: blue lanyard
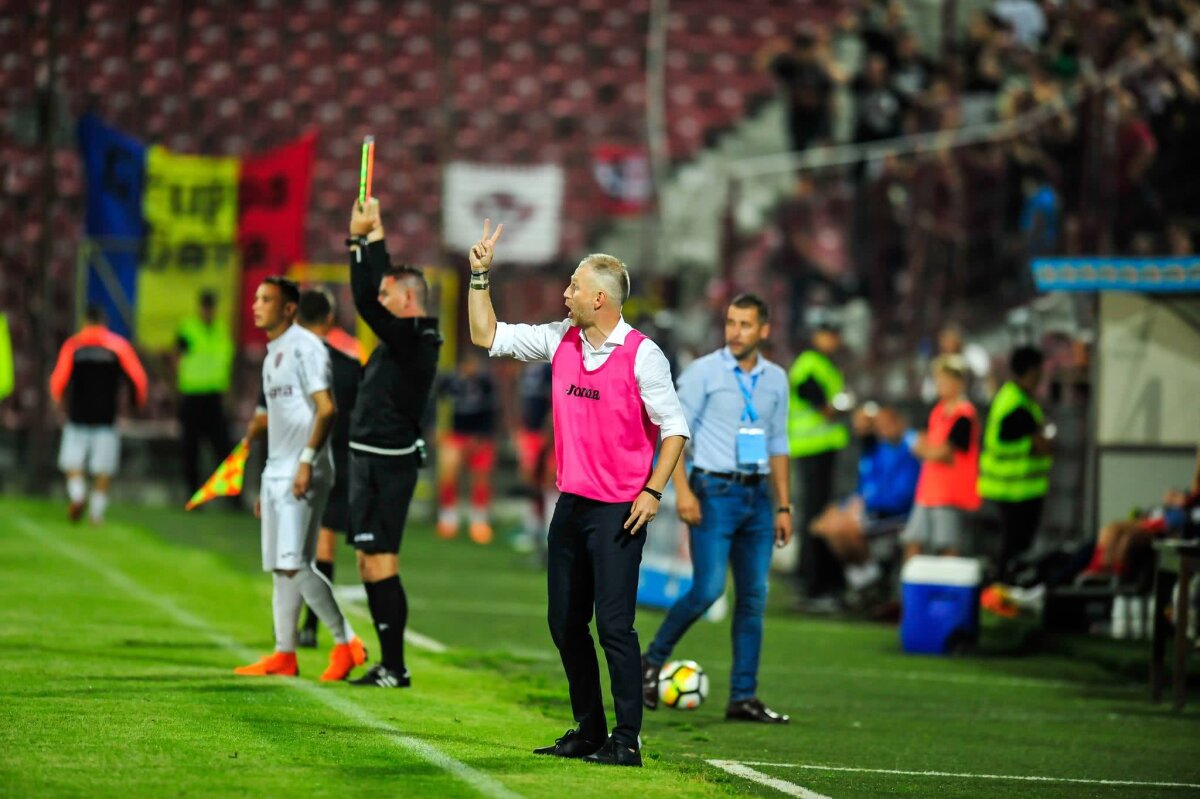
column 747, row 394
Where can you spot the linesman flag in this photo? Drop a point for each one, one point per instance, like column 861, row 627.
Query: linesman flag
column 226, row 481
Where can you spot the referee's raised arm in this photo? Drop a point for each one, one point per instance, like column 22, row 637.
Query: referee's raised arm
column 479, row 301
column 368, row 262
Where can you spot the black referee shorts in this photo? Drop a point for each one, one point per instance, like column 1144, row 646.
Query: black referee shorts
column 381, row 490
column 337, row 510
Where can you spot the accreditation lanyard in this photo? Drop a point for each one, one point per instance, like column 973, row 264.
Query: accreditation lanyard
column 751, row 438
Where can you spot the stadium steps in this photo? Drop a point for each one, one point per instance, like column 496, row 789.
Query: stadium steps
column 694, row 199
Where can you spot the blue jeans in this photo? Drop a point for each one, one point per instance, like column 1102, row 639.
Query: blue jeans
column 736, row 528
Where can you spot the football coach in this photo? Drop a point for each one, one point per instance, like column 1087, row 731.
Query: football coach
column 613, row 399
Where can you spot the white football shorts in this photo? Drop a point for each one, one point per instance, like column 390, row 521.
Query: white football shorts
column 94, row 448
column 290, row 525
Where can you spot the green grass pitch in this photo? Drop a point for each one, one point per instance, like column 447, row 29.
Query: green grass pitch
column 117, row 645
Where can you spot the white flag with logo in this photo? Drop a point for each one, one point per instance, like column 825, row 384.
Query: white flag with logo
column 528, row 200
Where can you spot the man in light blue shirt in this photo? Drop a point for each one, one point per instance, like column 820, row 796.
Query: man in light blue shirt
column 736, row 405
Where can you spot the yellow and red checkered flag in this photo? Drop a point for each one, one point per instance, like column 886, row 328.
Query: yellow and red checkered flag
column 226, row 481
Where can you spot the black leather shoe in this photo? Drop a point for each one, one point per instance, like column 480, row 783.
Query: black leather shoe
column 615, row 754
column 572, row 744
column 650, row 684
column 753, row 709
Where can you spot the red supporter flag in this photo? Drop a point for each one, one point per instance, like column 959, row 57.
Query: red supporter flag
column 272, row 204
column 623, row 174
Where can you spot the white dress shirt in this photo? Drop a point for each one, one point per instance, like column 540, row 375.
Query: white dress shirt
column 650, row 367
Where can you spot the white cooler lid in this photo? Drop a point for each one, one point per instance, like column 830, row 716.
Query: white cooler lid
column 933, row 570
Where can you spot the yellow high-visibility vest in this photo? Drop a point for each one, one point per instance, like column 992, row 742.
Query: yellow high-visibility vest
column 809, row 432
column 206, row 366
column 1009, row 471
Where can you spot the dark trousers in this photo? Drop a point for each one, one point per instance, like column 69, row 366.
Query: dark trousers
column 1019, row 525
column 202, row 417
column 820, row 573
column 593, row 564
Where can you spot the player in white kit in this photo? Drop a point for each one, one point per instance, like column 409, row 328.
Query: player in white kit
column 296, row 482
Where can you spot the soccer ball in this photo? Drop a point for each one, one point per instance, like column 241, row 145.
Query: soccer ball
column 682, row 684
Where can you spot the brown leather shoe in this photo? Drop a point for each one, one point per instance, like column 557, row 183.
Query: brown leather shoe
column 753, row 709
column 649, row 684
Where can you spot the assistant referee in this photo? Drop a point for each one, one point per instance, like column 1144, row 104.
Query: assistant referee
column 613, row 398
column 385, row 429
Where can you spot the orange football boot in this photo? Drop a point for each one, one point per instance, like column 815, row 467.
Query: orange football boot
column 282, row 664
column 343, row 658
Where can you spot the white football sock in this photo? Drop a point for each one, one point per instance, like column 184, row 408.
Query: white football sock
column 318, row 593
column 97, row 505
column 76, row 489
column 286, row 605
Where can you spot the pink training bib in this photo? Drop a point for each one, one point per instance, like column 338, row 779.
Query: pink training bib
column 603, row 438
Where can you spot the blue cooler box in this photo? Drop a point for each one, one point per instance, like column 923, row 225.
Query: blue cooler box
column 940, row 604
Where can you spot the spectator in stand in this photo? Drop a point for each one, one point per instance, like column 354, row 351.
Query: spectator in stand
column 911, row 72
column 92, row 365
column 471, row 439
column 1137, row 205
column 1025, row 17
column 949, row 449
column 1040, row 213
column 808, row 85
column 1179, row 240
column 813, row 250
column 880, row 107
column 882, row 25
column 983, row 54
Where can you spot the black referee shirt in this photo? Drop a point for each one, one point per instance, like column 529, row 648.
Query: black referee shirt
column 398, row 377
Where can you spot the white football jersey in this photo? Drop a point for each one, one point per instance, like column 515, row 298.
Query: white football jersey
column 296, row 367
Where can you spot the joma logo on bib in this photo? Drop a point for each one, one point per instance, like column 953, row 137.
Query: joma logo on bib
column 586, row 393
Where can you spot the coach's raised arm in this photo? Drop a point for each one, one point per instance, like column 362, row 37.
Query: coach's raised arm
column 479, row 301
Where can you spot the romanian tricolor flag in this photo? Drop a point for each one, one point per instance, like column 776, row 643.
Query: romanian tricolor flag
column 226, row 481
column 163, row 227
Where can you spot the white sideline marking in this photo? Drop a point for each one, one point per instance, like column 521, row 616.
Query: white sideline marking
column 424, row 642
column 783, row 786
column 356, row 593
column 1021, row 778
column 484, row 783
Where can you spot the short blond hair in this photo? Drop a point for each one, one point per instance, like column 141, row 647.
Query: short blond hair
column 611, row 274
column 951, row 364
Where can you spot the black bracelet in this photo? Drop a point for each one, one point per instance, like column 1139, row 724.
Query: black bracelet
column 656, row 494
column 356, row 241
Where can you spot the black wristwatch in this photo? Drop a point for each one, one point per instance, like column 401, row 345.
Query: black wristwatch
column 656, row 494
column 356, row 241
column 784, row 509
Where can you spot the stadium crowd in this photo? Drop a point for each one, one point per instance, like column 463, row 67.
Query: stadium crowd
column 1113, row 94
